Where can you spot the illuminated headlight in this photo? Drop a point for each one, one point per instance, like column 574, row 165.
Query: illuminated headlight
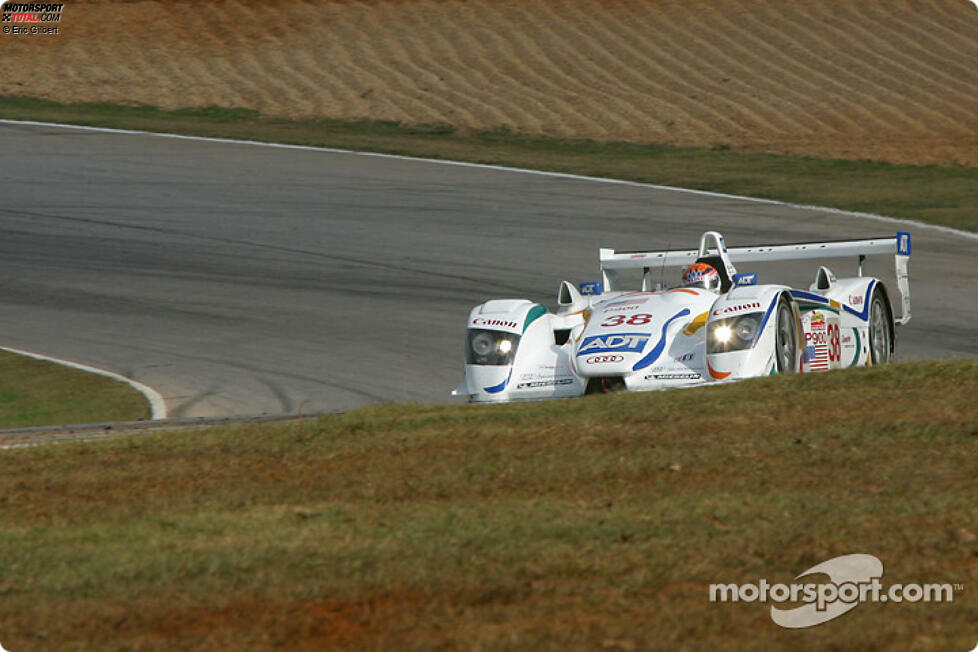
column 722, row 333
column 486, row 347
column 734, row 334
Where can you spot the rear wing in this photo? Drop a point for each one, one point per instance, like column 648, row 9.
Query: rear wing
column 712, row 244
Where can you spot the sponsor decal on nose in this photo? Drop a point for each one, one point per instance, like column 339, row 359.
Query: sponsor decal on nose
column 618, row 343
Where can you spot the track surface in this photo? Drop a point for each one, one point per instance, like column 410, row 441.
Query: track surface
column 238, row 279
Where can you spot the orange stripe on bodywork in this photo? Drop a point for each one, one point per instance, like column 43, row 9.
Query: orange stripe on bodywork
column 586, row 313
column 718, row 375
column 800, row 330
column 687, row 291
column 698, row 322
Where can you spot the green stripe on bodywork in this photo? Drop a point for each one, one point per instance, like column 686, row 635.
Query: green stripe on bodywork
column 829, row 308
column 535, row 313
column 859, row 348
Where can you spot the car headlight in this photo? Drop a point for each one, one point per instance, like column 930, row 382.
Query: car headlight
column 734, row 334
column 723, row 333
column 483, row 344
column 746, row 328
column 485, row 347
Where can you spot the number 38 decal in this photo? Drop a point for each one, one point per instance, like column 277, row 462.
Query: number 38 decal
column 835, row 348
column 632, row 320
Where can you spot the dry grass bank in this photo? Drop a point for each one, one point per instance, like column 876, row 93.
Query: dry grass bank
column 879, row 79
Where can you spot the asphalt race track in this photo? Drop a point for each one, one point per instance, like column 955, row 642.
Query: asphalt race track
column 238, row 279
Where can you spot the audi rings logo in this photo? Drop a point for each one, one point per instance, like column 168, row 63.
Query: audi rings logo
column 602, row 359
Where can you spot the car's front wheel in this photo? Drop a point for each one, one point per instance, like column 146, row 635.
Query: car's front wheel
column 786, row 342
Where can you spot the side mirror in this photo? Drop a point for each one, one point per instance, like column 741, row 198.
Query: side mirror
column 569, row 299
column 824, row 279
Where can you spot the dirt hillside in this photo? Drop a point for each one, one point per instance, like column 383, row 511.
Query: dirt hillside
column 884, row 79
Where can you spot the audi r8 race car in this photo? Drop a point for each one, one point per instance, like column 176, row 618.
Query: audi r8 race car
column 720, row 325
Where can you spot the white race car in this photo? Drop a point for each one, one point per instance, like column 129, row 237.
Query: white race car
column 604, row 338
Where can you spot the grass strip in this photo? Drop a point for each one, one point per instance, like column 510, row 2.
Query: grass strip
column 39, row 393
column 591, row 523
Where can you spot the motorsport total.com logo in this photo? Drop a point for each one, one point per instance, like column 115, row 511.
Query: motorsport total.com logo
column 30, row 17
column 852, row 579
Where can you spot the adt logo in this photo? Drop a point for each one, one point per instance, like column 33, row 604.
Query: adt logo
column 591, row 288
column 618, row 343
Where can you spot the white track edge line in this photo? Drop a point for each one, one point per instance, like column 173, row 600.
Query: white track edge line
column 156, row 402
column 485, row 166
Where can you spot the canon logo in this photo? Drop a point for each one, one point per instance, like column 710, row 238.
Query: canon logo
column 743, row 306
column 603, row 359
column 494, row 322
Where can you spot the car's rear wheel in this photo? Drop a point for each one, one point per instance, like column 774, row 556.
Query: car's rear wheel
column 786, row 342
column 880, row 328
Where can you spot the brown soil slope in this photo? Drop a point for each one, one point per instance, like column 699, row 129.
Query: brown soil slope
column 884, row 79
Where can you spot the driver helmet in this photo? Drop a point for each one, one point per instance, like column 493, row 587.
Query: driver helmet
column 701, row 275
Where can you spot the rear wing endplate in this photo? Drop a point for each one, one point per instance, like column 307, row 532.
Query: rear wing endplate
column 712, row 243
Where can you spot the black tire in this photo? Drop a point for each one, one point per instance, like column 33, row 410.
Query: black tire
column 608, row 385
column 880, row 328
column 786, row 340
